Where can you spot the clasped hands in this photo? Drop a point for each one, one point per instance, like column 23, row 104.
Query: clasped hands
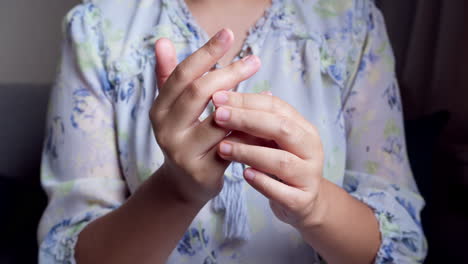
column 259, row 130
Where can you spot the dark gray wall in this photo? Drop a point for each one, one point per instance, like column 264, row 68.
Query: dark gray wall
column 30, row 34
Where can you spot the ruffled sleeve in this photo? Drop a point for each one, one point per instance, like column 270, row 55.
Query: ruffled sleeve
column 378, row 171
column 80, row 167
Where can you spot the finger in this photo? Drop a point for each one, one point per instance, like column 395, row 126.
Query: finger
column 272, row 189
column 205, row 136
column 287, row 133
column 208, row 134
column 196, row 96
column 212, row 154
column 194, row 66
column 241, row 137
column 208, row 158
column 262, row 102
column 166, row 60
column 284, row 165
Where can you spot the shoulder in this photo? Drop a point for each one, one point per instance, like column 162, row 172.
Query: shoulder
column 342, row 28
column 116, row 24
column 114, row 34
column 119, row 14
column 327, row 15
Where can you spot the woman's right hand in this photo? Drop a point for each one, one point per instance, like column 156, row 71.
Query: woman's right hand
column 192, row 166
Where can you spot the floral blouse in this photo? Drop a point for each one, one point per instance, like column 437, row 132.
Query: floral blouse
column 330, row 59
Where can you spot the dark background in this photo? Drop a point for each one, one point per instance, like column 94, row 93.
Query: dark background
column 430, row 40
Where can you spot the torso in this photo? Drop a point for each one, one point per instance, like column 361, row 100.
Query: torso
column 296, row 67
column 100, row 146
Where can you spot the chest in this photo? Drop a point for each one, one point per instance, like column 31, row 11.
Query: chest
column 238, row 16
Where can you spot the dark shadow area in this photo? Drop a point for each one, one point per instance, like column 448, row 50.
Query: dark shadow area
column 429, row 38
column 22, row 200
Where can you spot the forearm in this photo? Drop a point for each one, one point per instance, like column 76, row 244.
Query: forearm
column 143, row 230
column 347, row 231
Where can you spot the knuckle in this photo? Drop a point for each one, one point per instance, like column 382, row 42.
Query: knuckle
column 239, row 70
column 243, row 100
column 291, row 131
column 229, row 76
column 286, row 165
column 276, row 104
column 180, row 74
column 286, row 127
column 244, row 122
column 265, row 184
column 194, row 90
column 298, row 136
column 236, row 151
column 236, row 99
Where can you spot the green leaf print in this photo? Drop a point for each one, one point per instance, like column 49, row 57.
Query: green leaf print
column 332, row 8
column 66, row 187
column 387, row 226
column 85, row 55
column 372, row 167
column 112, row 35
column 391, row 128
column 261, row 86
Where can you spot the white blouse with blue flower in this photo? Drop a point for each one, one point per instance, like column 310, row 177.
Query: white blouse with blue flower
column 330, row 59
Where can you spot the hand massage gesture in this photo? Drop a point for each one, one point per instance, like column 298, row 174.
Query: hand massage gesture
column 268, row 134
column 259, row 130
column 189, row 145
column 192, row 148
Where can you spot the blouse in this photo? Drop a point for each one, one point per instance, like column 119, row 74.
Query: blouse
column 329, row 59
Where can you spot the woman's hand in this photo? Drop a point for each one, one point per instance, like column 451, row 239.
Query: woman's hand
column 296, row 162
column 191, row 164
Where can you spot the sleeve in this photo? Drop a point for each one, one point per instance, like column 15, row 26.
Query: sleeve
column 378, row 172
column 80, row 168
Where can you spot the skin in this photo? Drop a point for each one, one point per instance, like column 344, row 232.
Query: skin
column 239, row 16
column 192, row 173
column 341, row 228
column 280, row 142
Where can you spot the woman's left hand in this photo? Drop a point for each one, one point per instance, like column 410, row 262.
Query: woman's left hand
column 297, row 161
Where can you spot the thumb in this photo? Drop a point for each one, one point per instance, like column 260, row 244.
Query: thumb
column 166, row 60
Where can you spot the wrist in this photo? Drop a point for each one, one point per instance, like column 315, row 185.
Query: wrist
column 165, row 186
column 317, row 216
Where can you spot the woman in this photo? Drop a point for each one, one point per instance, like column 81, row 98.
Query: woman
column 303, row 160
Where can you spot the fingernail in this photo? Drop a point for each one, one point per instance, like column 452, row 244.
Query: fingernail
column 249, row 174
column 223, row 114
column 220, row 97
column 225, row 148
column 222, row 35
column 250, row 60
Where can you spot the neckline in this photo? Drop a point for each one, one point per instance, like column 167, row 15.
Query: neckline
column 255, row 36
